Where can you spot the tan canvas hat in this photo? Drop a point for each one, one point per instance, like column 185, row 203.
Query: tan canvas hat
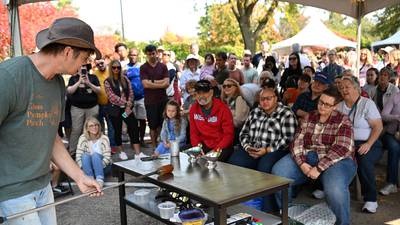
column 69, row 31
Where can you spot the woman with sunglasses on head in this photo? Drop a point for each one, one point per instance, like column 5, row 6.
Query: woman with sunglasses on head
column 93, row 153
column 232, row 96
column 323, row 148
column 120, row 97
column 367, row 126
column 291, row 75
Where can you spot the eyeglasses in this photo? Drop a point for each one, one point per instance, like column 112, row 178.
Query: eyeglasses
column 116, row 67
column 292, row 58
column 324, row 104
column 267, row 98
column 227, row 85
column 93, row 125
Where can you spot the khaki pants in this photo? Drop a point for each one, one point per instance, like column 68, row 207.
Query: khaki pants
column 78, row 117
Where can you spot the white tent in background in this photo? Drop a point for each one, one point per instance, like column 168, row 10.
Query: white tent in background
column 392, row 40
column 315, row 33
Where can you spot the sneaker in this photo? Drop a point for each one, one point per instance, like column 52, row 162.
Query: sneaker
column 318, row 194
column 141, row 155
column 60, row 189
column 370, row 207
column 123, row 156
column 101, row 182
column 388, row 189
column 114, row 150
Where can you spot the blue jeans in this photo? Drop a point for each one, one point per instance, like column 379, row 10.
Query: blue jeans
column 92, row 165
column 110, row 130
column 366, row 170
column 262, row 164
column 393, row 147
column 336, row 180
column 32, row 200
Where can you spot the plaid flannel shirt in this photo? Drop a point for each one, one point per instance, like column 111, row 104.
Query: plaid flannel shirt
column 114, row 98
column 333, row 143
column 262, row 130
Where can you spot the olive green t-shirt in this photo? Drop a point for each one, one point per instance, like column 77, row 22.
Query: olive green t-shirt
column 31, row 108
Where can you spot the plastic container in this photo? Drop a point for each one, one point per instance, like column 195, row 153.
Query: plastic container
column 192, row 217
column 142, row 195
column 174, row 148
column 167, row 209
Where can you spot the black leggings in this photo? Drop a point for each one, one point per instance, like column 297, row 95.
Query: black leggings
column 132, row 124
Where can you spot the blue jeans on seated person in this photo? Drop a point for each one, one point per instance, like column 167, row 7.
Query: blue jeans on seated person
column 366, row 169
column 336, row 180
column 92, row 165
column 393, row 147
column 262, row 164
column 32, row 200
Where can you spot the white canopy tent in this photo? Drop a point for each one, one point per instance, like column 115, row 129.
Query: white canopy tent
column 353, row 8
column 392, row 40
column 315, row 33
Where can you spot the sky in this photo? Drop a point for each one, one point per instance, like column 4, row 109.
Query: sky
column 149, row 19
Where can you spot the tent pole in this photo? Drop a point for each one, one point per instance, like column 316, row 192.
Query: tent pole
column 13, row 16
column 359, row 6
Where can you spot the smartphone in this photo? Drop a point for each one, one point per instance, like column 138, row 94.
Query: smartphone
column 83, row 71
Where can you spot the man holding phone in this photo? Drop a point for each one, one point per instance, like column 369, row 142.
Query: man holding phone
column 82, row 91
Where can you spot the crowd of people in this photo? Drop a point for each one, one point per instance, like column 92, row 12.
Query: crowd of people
column 303, row 117
column 309, row 120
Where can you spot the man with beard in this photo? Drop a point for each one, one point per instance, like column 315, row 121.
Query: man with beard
column 211, row 123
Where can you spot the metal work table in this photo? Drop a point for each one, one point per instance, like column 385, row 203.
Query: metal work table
column 220, row 188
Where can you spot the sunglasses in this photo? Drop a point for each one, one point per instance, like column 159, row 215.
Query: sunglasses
column 116, row 67
column 267, row 98
column 166, row 54
column 227, row 85
column 100, row 64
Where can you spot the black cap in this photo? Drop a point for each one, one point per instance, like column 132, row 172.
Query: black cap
column 203, row 85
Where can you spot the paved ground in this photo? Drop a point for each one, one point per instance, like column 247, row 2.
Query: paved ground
column 105, row 210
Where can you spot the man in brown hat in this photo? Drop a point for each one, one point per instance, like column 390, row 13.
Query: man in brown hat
column 32, row 105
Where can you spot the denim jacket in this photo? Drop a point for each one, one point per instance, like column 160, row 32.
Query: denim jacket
column 180, row 137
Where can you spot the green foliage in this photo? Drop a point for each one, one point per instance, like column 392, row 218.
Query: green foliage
column 388, row 22
column 293, row 21
column 347, row 28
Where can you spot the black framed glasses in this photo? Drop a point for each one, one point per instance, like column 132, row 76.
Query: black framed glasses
column 227, row 85
column 325, row 104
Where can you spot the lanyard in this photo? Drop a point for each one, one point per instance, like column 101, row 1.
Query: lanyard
column 354, row 109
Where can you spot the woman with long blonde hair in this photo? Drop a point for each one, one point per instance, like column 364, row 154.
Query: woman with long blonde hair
column 232, row 96
column 93, row 153
column 365, row 64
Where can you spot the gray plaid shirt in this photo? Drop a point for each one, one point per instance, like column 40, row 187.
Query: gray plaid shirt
column 275, row 130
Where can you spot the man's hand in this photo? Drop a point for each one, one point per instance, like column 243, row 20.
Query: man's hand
column 257, row 153
column 305, row 168
column 87, row 184
column 364, row 148
column 313, row 173
column 167, row 144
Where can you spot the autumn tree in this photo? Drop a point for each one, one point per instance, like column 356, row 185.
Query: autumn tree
column 292, row 21
column 252, row 16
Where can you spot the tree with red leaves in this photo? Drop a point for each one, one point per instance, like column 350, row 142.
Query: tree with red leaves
column 35, row 17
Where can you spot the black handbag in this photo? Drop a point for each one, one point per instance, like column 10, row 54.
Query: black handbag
column 113, row 110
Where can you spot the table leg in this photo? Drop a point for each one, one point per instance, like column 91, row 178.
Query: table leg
column 122, row 204
column 219, row 216
column 285, row 206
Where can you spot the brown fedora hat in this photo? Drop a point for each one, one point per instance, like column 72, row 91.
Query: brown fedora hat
column 69, row 31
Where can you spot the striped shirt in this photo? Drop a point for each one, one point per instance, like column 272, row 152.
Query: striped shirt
column 276, row 130
column 332, row 140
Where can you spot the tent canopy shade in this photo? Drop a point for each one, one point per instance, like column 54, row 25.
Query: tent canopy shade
column 348, row 7
column 392, row 40
column 315, row 33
